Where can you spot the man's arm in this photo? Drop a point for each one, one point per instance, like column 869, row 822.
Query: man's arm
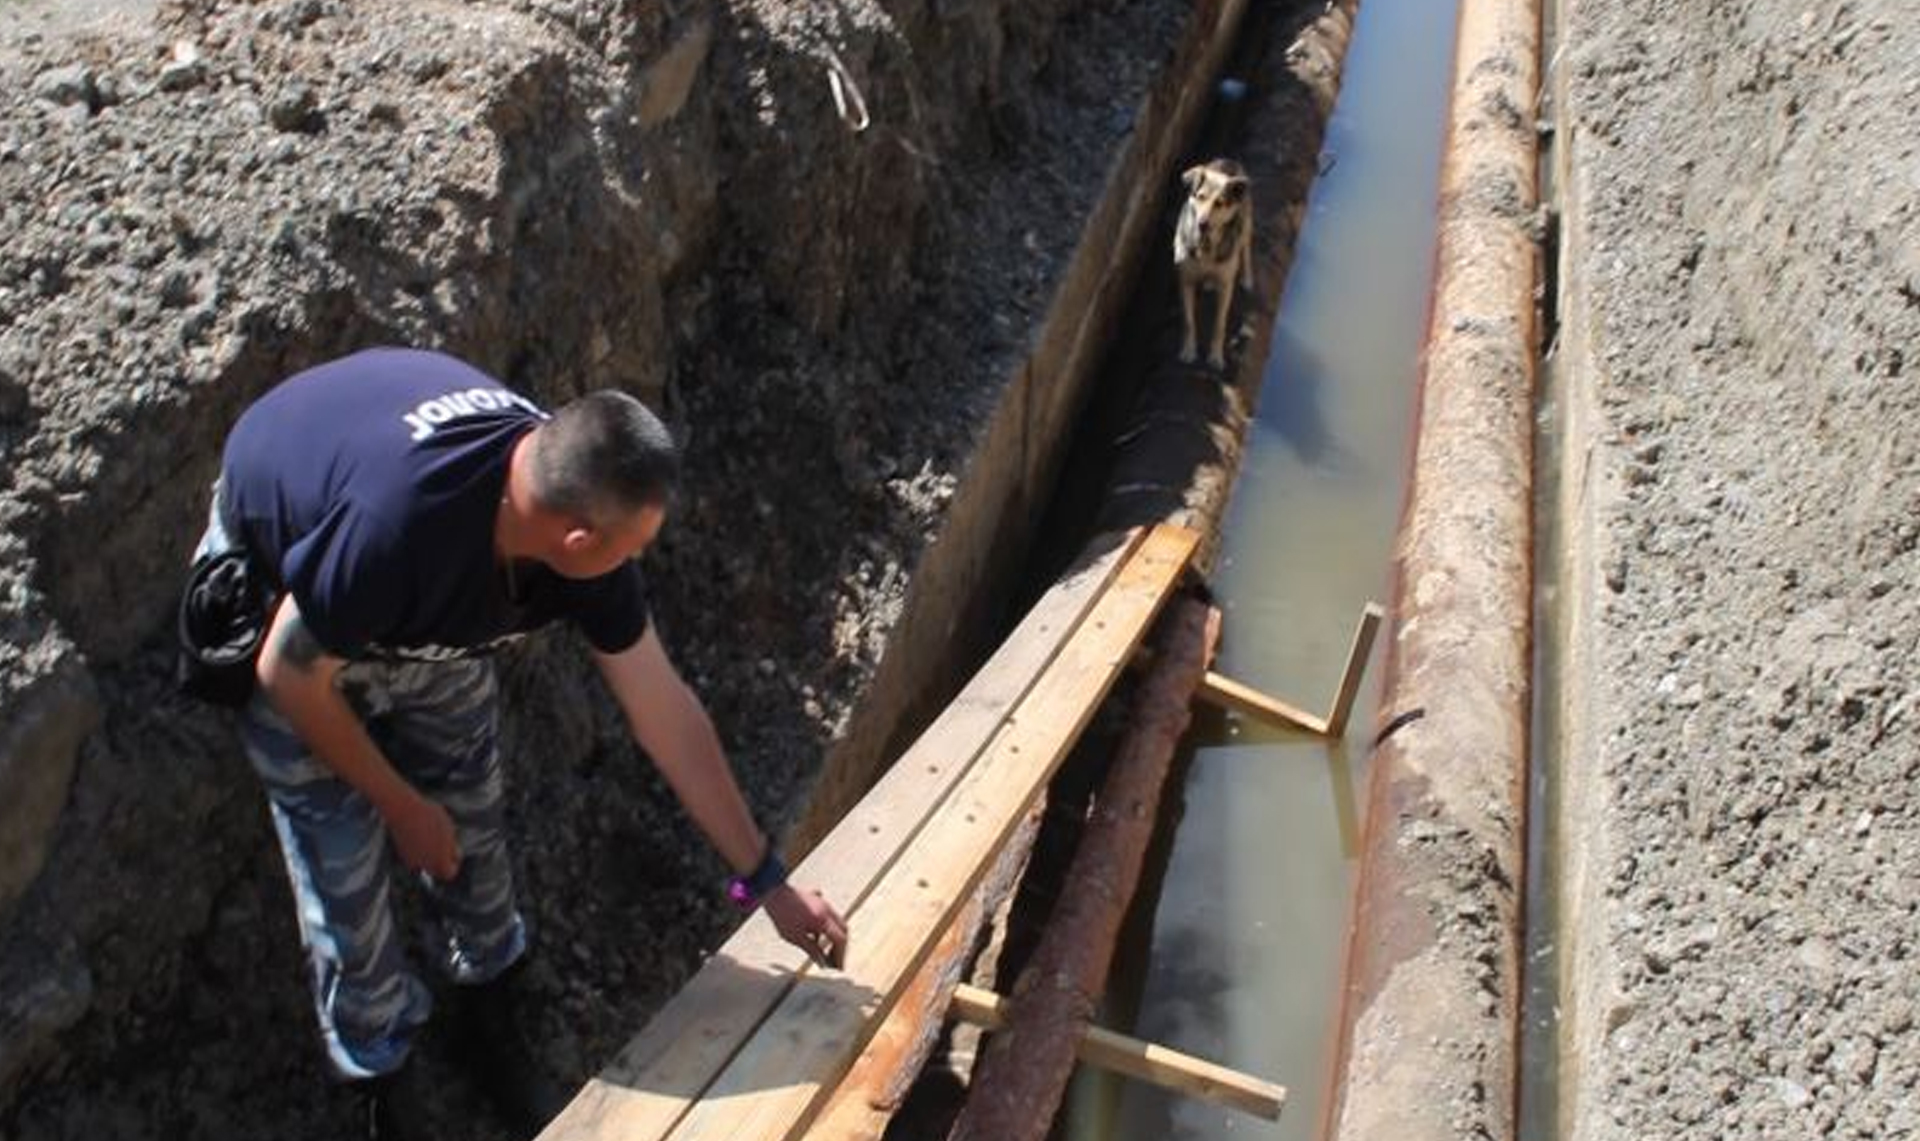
column 297, row 675
column 669, row 722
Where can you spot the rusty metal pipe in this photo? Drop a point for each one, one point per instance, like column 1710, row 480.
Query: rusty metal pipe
column 1429, row 1026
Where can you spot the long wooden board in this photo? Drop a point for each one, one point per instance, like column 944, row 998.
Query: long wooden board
column 806, row 1045
column 1146, row 1061
column 686, row 1044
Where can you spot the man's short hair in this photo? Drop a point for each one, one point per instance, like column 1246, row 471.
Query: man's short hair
column 603, row 455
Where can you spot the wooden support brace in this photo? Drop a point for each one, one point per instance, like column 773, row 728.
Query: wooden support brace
column 1219, row 690
column 1357, row 655
column 1159, row 1065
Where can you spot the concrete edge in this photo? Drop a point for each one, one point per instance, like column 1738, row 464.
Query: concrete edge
column 1589, row 483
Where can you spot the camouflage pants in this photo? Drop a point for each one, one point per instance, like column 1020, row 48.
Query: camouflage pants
column 437, row 724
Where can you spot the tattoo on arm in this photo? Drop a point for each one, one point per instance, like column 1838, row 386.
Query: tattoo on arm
column 297, row 643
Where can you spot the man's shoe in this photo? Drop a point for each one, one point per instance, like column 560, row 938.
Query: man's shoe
column 397, row 1107
column 494, row 1044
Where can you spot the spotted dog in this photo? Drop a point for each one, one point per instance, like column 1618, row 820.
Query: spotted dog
column 1213, row 246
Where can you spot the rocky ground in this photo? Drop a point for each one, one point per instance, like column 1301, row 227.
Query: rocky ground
column 196, row 200
column 1744, row 225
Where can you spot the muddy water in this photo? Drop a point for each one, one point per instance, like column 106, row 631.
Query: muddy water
column 1540, row 994
column 1240, row 961
column 1540, row 1002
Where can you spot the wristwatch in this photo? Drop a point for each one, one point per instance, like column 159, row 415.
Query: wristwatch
column 747, row 891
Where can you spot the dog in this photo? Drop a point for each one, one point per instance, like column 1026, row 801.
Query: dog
column 1213, row 246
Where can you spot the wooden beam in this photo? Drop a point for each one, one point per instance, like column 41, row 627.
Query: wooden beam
column 687, row 1042
column 1167, row 1068
column 1356, row 665
column 883, row 1077
column 1221, row 690
column 779, row 1077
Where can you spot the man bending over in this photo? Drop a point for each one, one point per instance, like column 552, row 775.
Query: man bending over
column 414, row 515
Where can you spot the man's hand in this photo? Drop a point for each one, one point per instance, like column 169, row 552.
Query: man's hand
column 809, row 922
column 423, row 832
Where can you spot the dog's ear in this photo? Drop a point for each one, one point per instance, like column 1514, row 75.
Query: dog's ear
column 1233, row 190
column 1191, row 179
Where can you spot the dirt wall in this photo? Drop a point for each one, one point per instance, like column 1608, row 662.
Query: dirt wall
column 661, row 196
column 1742, row 490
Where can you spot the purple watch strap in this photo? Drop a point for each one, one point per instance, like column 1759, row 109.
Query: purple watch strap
column 746, row 891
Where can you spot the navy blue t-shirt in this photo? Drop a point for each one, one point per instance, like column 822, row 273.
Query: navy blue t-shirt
column 369, row 486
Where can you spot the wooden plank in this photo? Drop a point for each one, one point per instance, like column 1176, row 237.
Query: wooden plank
column 1146, row 1061
column 1357, row 656
column 797, row 1056
column 688, row 1041
column 1221, row 690
column 884, row 1076
column 880, row 1081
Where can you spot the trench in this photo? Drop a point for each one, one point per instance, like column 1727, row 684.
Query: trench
column 1235, row 944
column 1236, row 951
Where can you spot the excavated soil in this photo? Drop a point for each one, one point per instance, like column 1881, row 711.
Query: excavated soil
column 1744, row 229
column 196, row 201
